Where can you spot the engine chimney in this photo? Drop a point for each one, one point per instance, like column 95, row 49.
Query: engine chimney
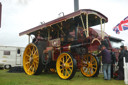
column 76, row 5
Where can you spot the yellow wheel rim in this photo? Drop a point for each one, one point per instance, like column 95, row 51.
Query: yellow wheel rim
column 30, row 59
column 89, row 65
column 64, row 66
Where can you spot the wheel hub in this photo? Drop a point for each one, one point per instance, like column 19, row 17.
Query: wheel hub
column 31, row 60
column 65, row 65
column 89, row 65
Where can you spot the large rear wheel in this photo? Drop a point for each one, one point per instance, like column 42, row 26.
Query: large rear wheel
column 32, row 59
column 90, row 65
column 66, row 66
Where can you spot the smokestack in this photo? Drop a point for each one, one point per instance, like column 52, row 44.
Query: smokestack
column 0, row 13
column 76, row 5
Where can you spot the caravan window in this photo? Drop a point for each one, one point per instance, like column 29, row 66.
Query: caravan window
column 6, row 52
column 18, row 51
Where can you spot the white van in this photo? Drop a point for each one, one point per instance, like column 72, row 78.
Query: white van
column 11, row 56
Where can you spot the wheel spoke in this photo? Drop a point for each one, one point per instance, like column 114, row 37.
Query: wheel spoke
column 35, row 65
column 35, row 61
column 70, row 63
column 91, row 59
column 87, row 70
column 35, row 57
column 29, row 68
column 35, row 52
column 62, row 70
column 93, row 64
column 33, row 69
column 70, row 69
column 63, row 59
column 67, row 73
column 29, row 50
column 61, row 65
column 94, row 68
column 84, row 68
column 67, row 60
column 27, row 63
column 27, row 55
column 90, row 70
column 32, row 49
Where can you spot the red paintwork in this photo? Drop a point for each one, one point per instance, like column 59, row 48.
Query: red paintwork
column 78, row 59
column 56, row 53
column 93, row 46
column 66, row 48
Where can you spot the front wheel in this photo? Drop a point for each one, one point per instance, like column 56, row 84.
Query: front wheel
column 32, row 59
column 66, row 66
column 90, row 65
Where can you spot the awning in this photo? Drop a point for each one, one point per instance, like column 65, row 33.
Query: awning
column 69, row 16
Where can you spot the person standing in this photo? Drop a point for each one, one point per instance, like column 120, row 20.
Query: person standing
column 113, row 61
column 125, row 47
column 106, row 60
column 120, row 63
column 126, row 53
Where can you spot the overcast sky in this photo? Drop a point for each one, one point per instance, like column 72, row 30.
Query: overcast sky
column 20, row 15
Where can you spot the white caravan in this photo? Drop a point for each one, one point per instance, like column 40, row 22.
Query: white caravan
column 11, row 56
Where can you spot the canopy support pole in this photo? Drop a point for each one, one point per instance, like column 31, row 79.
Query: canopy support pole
column 87, row 25
column 85, row 30
column 28, row 39
column 101, row 29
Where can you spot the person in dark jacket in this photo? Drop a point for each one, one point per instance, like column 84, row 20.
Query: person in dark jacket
column 126, row 53
column 113, row 61
column 120, row 63
column 106, row 60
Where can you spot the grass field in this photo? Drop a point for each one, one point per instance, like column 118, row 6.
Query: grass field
column 52, row 79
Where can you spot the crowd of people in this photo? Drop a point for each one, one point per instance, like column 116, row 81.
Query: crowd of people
column 109, row 60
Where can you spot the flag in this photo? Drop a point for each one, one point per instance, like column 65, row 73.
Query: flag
column 123, row 25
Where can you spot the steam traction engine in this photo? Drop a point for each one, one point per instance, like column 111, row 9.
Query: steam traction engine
column 66, row 44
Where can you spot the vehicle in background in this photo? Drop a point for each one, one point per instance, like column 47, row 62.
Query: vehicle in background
column 11, row 56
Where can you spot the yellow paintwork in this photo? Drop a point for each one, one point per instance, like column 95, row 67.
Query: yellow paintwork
column 53, row 70
column 64, row 66
column 89, row 65
column 30, row 59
